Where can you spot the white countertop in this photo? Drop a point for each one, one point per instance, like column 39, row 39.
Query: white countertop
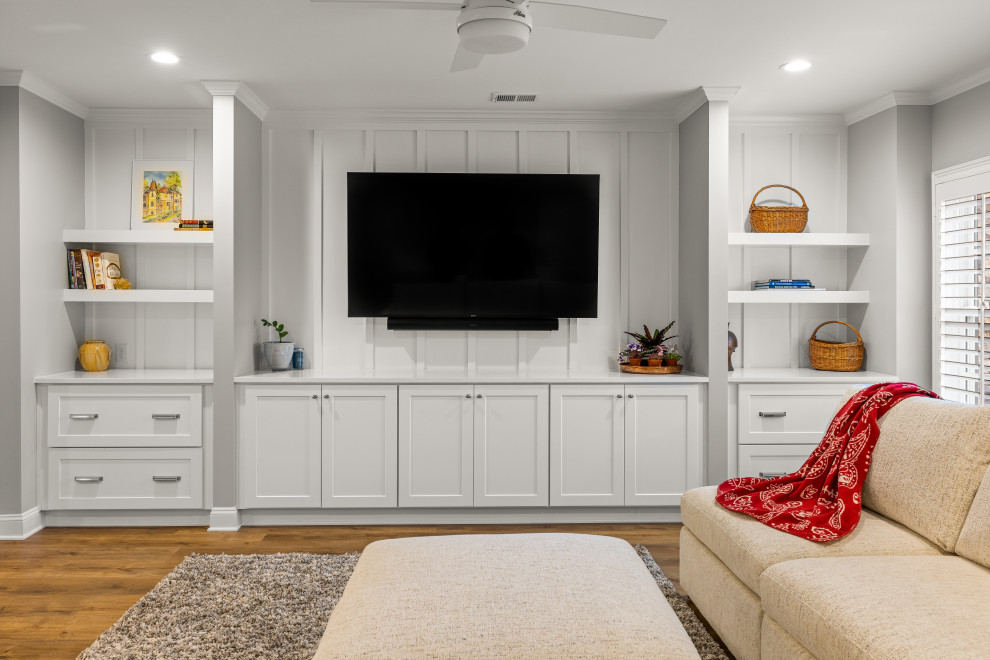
column 315, row 377
column 807, row 376
column 129, row 376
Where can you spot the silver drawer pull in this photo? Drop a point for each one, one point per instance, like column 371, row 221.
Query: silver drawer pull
column 773, row 414
column 771, row 475
column 83, row 416
column 159, row 479
column 89, row 480
column 163, row 416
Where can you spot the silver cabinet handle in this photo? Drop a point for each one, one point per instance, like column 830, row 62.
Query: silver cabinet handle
column 89, row 480
column 83, row 416
column 326, row 396
column 467, row 396
column 316, row 396
column 618, row 396
column 773, row 414
column 478, row 396
column 771, row 475
column 629, row 396
column 164, row 416
column 159, row 479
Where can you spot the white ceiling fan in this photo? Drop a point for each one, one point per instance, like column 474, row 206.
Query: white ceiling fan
column 493, row 27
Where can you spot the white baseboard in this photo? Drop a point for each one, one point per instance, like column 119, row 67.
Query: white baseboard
column 224, row 519
column 465, row 516
column 125, row 518
column 19, row 526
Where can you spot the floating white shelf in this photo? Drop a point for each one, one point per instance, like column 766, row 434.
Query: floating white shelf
column 800, row 240
column 784, row 296
column 139, row 295
column 137, row 237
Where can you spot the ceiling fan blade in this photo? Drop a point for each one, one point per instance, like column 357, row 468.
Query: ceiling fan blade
column 395, row 4
column 465, row 59
column 602, row 21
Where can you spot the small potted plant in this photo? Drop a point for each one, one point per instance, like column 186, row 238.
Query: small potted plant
column 278, row 353
column 654, row 355
column 632, row 355
column 652, row 341
column 671, row 357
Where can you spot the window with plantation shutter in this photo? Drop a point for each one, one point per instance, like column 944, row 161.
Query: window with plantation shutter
column 962, row 294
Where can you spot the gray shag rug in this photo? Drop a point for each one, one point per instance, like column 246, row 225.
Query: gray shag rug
column 270, row 606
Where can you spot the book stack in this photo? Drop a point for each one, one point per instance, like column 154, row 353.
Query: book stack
column 195, row 225
column 91, row 269
column 759, row 285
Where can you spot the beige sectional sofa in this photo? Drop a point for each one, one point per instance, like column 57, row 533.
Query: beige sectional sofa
column 911, row 581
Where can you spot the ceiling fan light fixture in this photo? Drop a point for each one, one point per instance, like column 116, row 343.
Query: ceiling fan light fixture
column 493, row 36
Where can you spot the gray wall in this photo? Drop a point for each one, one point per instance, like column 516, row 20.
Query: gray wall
column 693, row 239
column 914, row 244
column 52, row 156
column 10, row 334
column 890, row 198
column 961, row 128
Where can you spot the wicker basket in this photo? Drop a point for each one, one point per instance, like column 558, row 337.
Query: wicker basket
column 834, row 355
column 778, row 219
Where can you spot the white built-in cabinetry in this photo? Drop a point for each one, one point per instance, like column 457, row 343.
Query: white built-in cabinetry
column 307, row 446
column 124, row 445
column 463, row 445
column 632, row 445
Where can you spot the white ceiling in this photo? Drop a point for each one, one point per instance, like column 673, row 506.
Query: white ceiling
column 298, row 55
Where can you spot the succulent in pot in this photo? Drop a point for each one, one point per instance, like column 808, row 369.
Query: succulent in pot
column 278, row 353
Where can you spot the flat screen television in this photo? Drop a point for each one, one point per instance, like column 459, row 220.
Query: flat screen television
column 472, row 251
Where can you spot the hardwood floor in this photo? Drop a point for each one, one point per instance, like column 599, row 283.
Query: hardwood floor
column 62, row 587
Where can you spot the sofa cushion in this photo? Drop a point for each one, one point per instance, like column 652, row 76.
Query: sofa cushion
column 503, row 596
column 881, row 608
column 974, row 540
column 749, row 547
column 927, row 465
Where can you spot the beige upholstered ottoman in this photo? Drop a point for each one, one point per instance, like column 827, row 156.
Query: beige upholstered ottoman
column 503, row 596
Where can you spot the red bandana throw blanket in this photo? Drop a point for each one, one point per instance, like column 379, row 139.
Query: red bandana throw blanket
column 821, row 501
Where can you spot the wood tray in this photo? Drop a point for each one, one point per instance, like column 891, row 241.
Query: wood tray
column 629, row 369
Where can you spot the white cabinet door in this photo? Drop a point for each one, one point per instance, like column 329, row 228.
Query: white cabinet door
column 279, row 446
column 511, row 445
column 435, row 445
column 663, row 443
column 360, row 459
column 586, row 445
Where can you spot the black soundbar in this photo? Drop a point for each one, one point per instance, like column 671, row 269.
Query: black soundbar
column 468, row 323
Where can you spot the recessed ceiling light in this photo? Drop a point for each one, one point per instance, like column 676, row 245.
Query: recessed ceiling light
column 796, row 65
column 165, row 57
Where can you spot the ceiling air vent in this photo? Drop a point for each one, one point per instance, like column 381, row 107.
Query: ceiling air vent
column 498, row 97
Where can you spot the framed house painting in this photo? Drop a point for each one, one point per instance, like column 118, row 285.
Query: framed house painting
column 162, row 193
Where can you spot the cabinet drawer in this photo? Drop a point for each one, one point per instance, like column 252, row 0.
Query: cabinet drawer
column 131, row 416
column 772, row 460
column 125, row 479
column 787, row 414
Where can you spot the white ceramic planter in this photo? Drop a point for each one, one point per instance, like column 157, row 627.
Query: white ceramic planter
column 279, row 354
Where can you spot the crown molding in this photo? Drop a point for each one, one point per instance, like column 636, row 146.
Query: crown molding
column 797, row 121
column 239, row 91
column 140, row 117
column 961, row 85
column 701, row 96
column 886, row 102
column 411, row 118
column 40, row 88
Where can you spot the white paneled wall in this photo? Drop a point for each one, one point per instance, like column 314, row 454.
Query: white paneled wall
column 637, row 260
column 812, row 158
column 157, row 335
